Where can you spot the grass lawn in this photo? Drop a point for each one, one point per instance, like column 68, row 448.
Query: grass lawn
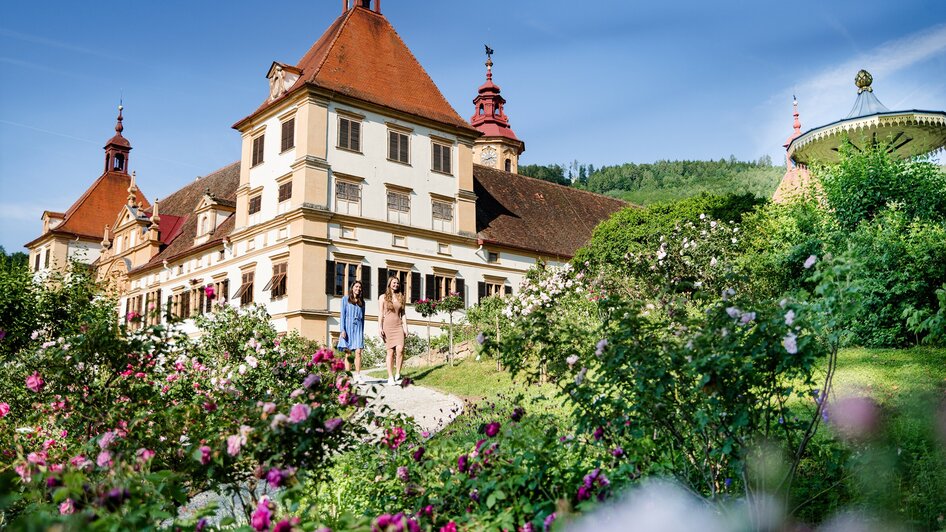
column 468, row 379
column 892, row 377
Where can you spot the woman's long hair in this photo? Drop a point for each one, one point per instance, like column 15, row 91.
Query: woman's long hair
column 360, row 300
column 389, row 292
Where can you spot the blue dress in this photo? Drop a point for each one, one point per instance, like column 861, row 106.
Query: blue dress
column 352, row 323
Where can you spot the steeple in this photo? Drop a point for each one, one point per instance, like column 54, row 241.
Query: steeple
column 117, row 148
column 498, row 147
column 796, row 126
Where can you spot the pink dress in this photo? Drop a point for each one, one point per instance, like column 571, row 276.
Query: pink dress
column 391, row 323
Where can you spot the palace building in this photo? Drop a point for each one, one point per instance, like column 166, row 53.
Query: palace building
column 355, row 167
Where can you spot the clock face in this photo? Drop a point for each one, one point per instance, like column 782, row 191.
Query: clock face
column 489, row 156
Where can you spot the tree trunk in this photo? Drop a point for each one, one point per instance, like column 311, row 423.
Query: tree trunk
column 450, row 336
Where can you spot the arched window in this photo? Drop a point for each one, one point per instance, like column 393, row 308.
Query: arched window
column 482, row 111
column 203, row 225
column 509, row 165
column 118, row 163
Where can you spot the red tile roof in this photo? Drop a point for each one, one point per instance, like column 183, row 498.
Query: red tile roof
column 98, row 206
column 363, row 57
column 178, row 227
column 534, row 215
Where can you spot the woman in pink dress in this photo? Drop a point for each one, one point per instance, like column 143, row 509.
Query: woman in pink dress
column 392, row 323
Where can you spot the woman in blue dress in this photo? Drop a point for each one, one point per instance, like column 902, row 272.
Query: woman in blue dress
column 352, row 333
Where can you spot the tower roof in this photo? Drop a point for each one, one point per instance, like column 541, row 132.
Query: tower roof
column 489, row 117
column 118, row 139
column 361, row 56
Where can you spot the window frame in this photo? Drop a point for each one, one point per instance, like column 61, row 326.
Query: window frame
column 434, row 160
column 287, row 186
column 277, row 285
column 259, row 204
column 348, row 185
column 445, row 222
column 291, row 137
column 357, row 136
column 347, row 280
column 403, row 146
column 257, row 152
column 401, row 209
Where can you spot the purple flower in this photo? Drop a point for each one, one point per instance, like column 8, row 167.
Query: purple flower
column 310, row 380
column 107, row 439
column 332, row 424
column 598, row 434
column 419, row 453
column 204, row 454
column 201, row 525
column 547, row 523
column 462, row 463
column 617, row 452
column 584, row 493
column 727, row 482
column 104, row 459
column 35, row 382
column 3, row 334
column 274, row 477
column 517, row 413
column 599, row 349
column 403, row 474
column 810, row 261
column 261, row 517
column 790, row 342
column 480, row 338
column 299, row 413
column 492, row 429
column 475, row 495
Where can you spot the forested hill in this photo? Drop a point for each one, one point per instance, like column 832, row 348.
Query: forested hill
column 665, row 180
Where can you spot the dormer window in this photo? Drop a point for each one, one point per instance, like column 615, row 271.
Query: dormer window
column 205, row 225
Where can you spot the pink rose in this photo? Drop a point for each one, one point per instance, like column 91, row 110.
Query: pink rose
column 24, row 471
column 204, row 454
column 80, row 462
column 234, row 443
column 299, row 413
column 261, row 517
column 144, row 455
column 269, row 408
column 104, row 459
column 107, row 439
column 35, row 382
column 37, row 458
column 67, row 507
column 4, row 409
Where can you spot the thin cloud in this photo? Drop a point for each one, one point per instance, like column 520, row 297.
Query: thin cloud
column 35, row 39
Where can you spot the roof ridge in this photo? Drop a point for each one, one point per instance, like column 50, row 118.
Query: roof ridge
column 565, row 187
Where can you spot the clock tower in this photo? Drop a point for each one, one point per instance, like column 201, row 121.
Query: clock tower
column 498, row 147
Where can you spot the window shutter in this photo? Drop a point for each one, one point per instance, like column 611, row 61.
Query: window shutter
column 330, row 277
column 343, row 133
column 392, row 145
column 382, row 282
column 415, row 286
column 431, row 287
column 157, row 307
column 356, row 136
column 446, row 159
column 435, row 163
column 225, row 290
column 508, row 290
column 461, row 290
column 481, row 291
column 404, row 154
column 365, row 281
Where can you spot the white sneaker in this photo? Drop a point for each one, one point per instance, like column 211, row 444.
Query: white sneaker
column 391, row 382
column 397, row 377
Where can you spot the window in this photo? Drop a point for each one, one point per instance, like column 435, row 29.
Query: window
column 245, row 292
column 349, row 134
column 221, row 292
column 410, row 282
column 346, row 273
column 39, row 255
column 256, row 204
column 399, row 207
column 441, row 285
column 204, row 225
column 492, row 287
column 441, row 158
column 285, row 191
column 288, row 135
column 277, row 284
column 442, row 216
column 492, row 257
column 152, row 306
column 258, row 150
column 348, row 198
column 46, row 259
column 398, row 147
column 508, row 165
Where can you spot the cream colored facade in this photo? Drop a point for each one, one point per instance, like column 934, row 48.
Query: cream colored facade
column 313, row 226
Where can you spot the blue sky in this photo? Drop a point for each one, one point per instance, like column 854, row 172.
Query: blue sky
column 603, row 82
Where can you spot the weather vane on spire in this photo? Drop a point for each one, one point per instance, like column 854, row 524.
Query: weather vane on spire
column 489, row 52
column 489, row 62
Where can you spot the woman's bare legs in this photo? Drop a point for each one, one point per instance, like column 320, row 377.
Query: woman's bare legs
column 357, row 361
column 400, row 359
column 390, row 361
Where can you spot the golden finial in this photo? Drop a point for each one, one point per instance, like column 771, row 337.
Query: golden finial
column 863, row 79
